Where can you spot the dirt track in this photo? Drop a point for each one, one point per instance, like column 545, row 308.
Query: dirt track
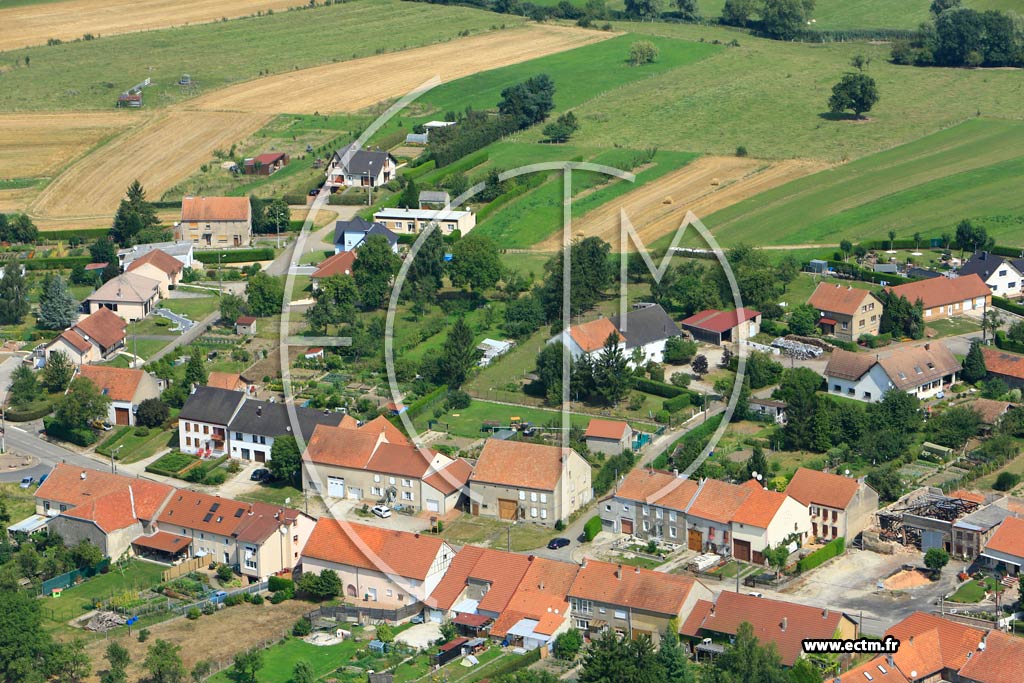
column 38, row 144
column 172, row 145
column 704, row 186
column 34, row 24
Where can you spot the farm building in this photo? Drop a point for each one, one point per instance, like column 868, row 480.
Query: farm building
column 947, row 298
column 265, row 164
column 714, row 326
column 215, row 221
column 246, row 325
column 608, row 436
column 1008, row 367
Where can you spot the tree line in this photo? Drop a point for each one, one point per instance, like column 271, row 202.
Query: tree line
column 963, row 37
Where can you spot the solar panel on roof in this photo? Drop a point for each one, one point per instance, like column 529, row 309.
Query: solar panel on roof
column 208, row 517
column 239, row 512
column 213, row 508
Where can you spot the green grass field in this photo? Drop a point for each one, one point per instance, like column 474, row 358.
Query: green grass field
column 90, row 74
column 279, row 660
column 75, row 601
column 770, row 96
column 969, row 171
column 194, row 308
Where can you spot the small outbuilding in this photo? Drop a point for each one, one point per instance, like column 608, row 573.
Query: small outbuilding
column 714, row 326
column 246, row 325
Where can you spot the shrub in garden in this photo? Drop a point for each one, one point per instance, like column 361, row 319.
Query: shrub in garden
column 225, row 573
column 193, row 613
column 302, row 627
column 256, row 599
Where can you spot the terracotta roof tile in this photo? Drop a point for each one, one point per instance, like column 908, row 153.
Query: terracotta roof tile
column 161, row 540
column 822, row 488
column 161, row 260
column 381, row 425
column 1003, row 363
column 656, row 487
column 785, row 624
column 252, row 522
column 339, row 264
column 718, row 501
column 1008, row 538
column 231, row 381
column 878, row 668
column 591, row 336
column 759, row 509
column 105, row 326
column 719, row 321
column 451, row 477
column 75, row 340
column 943, row 291
column 526, row 465
column 606, row 429
column 929, row 643
column 1002, row 660
column 370, row 547
column 103, row 497
column 196, row 209
column 119, row 384
column 341, row 447
column 989, row 410
column 541, row 595
column 835, row 298
column 637, row 588
column 503, row 571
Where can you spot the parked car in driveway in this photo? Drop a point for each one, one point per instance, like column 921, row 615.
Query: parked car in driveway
column 261, row 474
column 382, row 511
column 558, row 543
column 26, row 482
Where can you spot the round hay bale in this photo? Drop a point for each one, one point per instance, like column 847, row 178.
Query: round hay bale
column 580, row 233
column 666, row 200
column 715, row 181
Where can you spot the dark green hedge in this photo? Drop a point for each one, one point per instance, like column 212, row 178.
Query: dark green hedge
column 865, row 275
column 31, row 412
column 64, row 235
column 674, row 405
column 592, row 528
column 59, row 263
column 427, row 400
column 422, row 169
column 1003, row 342
column 295, row 199
column 650, row 386
column 1007, row 305
column 79, row 437
column 173, row 204
column 234, row 256
column 831, row 549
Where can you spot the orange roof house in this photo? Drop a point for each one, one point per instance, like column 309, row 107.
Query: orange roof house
column 215, row 221
column 479, row 581
column 946, row 297
column 232, row 381
column 92, row 339
column 608, row 436
column 1007, row 543
column 159, row 266
column 519, row 480
column 339, row 264
column 540, row 606
column 212, row 209
column 782, row 624
column 1007, row 366
column 126, row 388
column 839, row 506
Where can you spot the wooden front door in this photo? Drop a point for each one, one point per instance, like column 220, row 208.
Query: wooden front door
column 507, row 509
column 741, row 550
column 122, row 416
column 476, row 509
column 694, row 540
column 627, row 526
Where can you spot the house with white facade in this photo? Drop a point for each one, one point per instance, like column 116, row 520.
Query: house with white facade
column 643, row 330
column 351, row 234
column 381, row 568
column 1006, row 547
column 839, row 506
column 125, row 387
column 414, row 221
column 1004, row 276
column 183, row 251
column 203, row 421
column 356, row 167
column 923, row 371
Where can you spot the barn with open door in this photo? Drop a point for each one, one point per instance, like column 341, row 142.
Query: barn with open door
column 507, row 509
column 125, row 387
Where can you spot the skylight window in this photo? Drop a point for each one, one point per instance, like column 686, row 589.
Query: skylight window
column 208, row 517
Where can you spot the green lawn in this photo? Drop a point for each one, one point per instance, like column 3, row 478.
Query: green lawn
column 18, row 501
column 135, row 448
column 769, row 96
column 799, row 290
column 275, row 493
column 467, row 422
column 954, row 326
column 145, row 348
column 221, row 53
column 279, row 660
column 488, row 531
column 968, row 171
column 73, row 602
column 195, row 309
column 974, row 591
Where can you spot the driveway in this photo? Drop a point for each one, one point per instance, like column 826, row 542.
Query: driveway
column 420, row 636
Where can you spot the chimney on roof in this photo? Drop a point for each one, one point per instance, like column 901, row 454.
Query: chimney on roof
column 928, row 347
column 583, row 562
column 618, row 572
column 911, row 640
column 712, row 612
column 540, row 586
column 824, row 613
column 259, row 410
column 784, row 624
column 675, row 472
column 83, row 475
column 889, row 659
column 636, row 570
column 250, row 509
column 531, row 558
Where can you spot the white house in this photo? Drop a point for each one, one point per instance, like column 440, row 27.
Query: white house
column 1006, row 546
column 644, row 330
column 183, row 251
column 923, row 371
column 350, row 235
column 413, row 221
column 383, row 568
column 361, row 167
column 126, row 389
column 1004, row 276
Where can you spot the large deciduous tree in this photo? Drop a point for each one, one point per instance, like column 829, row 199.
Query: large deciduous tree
column 82, row 404
column 373, row 271
column 14, row 304
column 856, row 92
column 475, row 263
column 265, row 294
column 163, row 662
column 58, row 371
column 285, row 458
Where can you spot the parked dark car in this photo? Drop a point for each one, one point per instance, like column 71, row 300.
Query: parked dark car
column 262, row 474
column 558, row 543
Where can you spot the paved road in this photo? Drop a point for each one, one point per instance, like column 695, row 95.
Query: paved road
column 24, row 439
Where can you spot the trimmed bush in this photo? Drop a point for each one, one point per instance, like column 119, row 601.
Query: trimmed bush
column 674, row 405
column 279, row 583
column 831, row 549
column 210, row 258
column 592, row 528
column 256, row 599
column 79, row 437
column 650, row 386
column 34, row 411
column 278, row 597
column 58, row 263
column 1006, row 344
column 193, row 613
column 302, row 627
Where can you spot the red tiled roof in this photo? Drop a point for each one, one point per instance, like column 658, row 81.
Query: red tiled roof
column 714, row 320
column 381, row 425
column 968, row 495
column 195, row 209
column 246, row 320
column 104, row 326
column 224, row 380
column 785, row 624
column 879, row 670
column 1003, row 363
column 75, row 340
column 471, row 620
column 718, row 501
column 541, row 595
column 244, row 521
column 657, row 487
column 503, row 571
column 266, row 158
column 929, row 643
column 453, row 476
column 370, row 547
column 341, row 446
column 591, row 336
column 163, row 541
column 339, row 264
column 118, row 384
column 110, row 500
column 1008, row 538
column 161, row 260
column 606, row 429
column 520, row 464
column 821, row 488
column 760, row 507
column 836, row 298
column 1002, row 660
column 942, row 291
column 634, row 587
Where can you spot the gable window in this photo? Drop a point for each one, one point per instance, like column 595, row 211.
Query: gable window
column 522, row 495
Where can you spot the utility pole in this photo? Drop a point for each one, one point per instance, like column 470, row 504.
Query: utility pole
column 277, row 220
column 3, row 429
column 220, row 283
column 113, row 453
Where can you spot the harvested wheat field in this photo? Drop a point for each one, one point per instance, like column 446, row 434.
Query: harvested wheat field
column 160, row 153
column 34, row 145
column 359, row 83
column 171, row 146
column 203, row 638
column 35, row 23
column 708, row 184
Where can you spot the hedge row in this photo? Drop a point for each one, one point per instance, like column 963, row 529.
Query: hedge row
column 1006, row 344
column 426, row 401
column 650, row 386
column 233, row 256
column 31, row 412
column 422, row 169
column 674, row 405
column 295, row 199
column 701, row 433
column 65, row 235
column 79, row 437
column 831, row 549
column 865, row 275
column 173, row 204
column 592, row 528
column 108, row 446
column 1007, row 305
column 58, row 263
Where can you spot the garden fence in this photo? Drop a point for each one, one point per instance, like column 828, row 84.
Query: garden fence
column 184, row 568
column 68, row 579
column 364, row 613
column 200, row 604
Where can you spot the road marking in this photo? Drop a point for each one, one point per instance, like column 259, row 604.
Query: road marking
column 17, row 428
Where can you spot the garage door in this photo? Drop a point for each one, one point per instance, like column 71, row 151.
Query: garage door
column 336, row 487
column 627, row 526
column 261, row 456
column 694, row 540
column 354, row 493
column 433, row 505
column 742, row 550
column 122, row 416
column 507, row 509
